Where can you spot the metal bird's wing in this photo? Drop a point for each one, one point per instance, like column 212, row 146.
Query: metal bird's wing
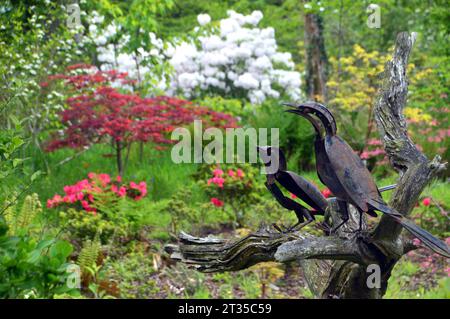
column 353, row 176
column 303, row 189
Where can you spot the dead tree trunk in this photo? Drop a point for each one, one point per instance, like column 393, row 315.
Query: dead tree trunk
column 316, row 58
column 336, row 266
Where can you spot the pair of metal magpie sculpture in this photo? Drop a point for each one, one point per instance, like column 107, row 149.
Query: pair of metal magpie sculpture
column 342, row 171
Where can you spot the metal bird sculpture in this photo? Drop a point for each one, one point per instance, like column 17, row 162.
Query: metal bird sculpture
column 295, row 184
column 343, row 172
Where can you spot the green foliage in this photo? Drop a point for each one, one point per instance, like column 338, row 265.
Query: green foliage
column 267, row 273
column 32, row 268
column 180, row 213
column 133, row 274
column 402, row 279
column 435, row 216
column 235, row 107
column 81, row 225
column 190, row 280
column 88, row 256
column 34, row 43
column 21, row 219
column 268, row 211
column 11, row 141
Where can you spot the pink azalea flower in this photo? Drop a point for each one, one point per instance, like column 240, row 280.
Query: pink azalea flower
column 143, row 189
column 231, row 173
column 240, row 173
column 122, row 191
column 426, row 201
column 72, row 198
column 217, row 172
column 216, row 202
column 57, row 198
column 104, row 179
column 364, row 155
column 85, row 205
column 219, row 181
column 67, row 189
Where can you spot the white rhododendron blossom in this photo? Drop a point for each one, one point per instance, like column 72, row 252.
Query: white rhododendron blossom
column 111, row 52
column 236, row 60
column 203, row 19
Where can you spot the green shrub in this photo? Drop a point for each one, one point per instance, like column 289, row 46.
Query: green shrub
column 80, row 225
column 31, row 267
column 22, row 218
column 133, row 274
column 233, row 186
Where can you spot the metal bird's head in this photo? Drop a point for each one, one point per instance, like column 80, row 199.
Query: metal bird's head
column 273, row 159
column 320, row 111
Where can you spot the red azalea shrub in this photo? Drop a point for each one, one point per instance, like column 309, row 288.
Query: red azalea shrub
column 84, row 194
column 235, row 187
column 97, row 112
column 219, row 178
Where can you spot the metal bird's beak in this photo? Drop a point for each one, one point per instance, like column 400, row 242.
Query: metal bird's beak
column 259, row 149
column 296, row 109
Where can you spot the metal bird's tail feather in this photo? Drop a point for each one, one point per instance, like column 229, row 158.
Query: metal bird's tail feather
column 435, row 244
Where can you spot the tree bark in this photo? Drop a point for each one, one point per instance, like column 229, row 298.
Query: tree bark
column 119, row 158
column 316, row 58
column 336, row 265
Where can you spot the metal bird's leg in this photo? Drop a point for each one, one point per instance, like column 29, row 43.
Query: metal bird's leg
column 300, row 224
column 343, row 210
column 278, row 228
column 325, row 224
column 288, row 204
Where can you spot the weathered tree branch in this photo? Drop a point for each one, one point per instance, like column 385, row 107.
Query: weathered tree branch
column 416, row 171
column 335, row 266
column 213, row 254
